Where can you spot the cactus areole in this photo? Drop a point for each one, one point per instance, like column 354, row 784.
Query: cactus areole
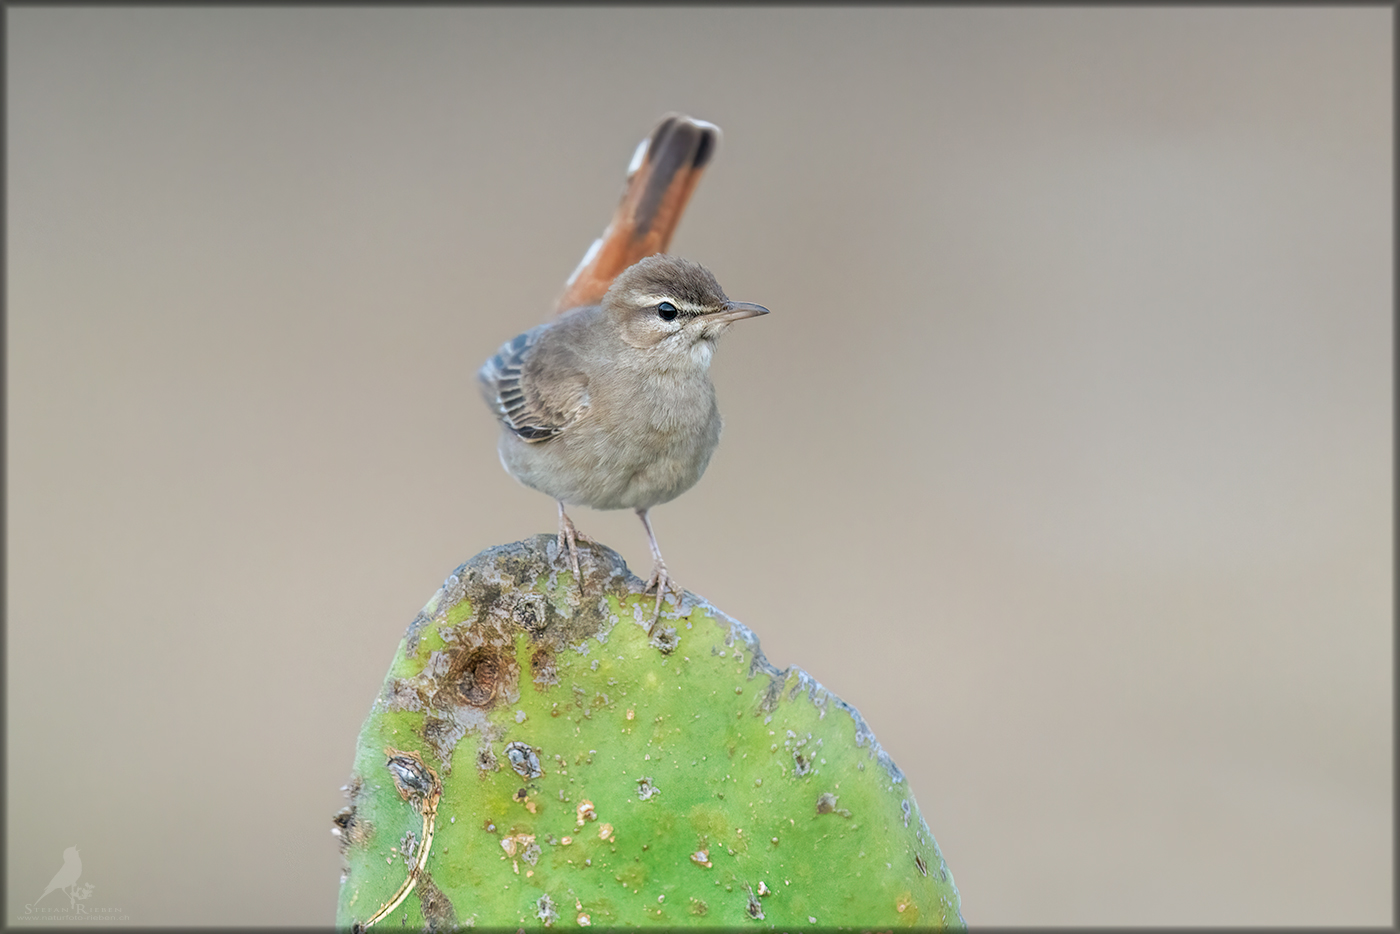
column 535, row 760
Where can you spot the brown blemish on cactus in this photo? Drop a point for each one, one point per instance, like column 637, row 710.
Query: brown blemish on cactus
column 438, row 913
column 475, row 675
column 347, row 826
column 826, row 804
column 665, row 640
column 543, row 668
column 486, row 759
column 403, row 695
column 532, row 612
column 772, row 694
column 442, row 735
column 479, row 613
column 415, row 631
column 753, row 909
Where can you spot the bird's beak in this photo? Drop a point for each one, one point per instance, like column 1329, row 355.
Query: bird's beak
column 736, row 311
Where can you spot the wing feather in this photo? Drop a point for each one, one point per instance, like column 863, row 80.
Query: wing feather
column 530, row 409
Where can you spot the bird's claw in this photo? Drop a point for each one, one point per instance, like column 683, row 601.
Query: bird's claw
column 570, row 537
column 661, row 581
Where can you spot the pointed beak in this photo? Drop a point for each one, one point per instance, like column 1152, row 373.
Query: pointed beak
column 736, row 311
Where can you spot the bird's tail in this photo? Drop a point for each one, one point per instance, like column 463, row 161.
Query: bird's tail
column 664, row 171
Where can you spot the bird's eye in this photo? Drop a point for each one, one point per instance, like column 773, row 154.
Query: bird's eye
column 667, row 311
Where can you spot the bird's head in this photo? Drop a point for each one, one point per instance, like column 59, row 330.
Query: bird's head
column 670, row 306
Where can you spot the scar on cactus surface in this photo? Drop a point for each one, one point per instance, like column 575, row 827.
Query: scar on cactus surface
column 535, row 760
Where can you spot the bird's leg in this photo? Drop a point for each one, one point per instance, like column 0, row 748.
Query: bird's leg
column 660, row 578
column 570, row 536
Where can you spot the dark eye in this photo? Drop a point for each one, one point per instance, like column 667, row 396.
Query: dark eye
column 667, row 311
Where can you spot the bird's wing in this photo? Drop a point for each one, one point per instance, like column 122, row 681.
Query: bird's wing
column 534, row 386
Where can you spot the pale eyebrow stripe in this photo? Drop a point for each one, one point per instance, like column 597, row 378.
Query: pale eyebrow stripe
column 682, row 305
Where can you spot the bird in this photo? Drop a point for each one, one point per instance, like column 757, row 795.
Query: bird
column 610, row 404
column 67, row 874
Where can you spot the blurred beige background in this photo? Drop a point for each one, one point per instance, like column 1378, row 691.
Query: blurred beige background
column 1065, row 456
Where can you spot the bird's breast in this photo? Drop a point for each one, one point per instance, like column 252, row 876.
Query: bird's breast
column 646, row 437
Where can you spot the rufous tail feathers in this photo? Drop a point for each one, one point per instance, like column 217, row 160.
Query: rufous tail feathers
column 664, row 171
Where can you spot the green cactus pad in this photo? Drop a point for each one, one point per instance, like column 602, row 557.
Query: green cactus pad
column 536, row 760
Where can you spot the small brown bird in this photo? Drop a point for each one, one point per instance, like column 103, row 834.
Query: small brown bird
column 610, row 405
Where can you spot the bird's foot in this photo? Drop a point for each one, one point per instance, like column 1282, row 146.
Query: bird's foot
column 570, row 537
column 661, row 580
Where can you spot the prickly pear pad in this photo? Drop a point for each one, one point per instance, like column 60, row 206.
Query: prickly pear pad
column 535, row 760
